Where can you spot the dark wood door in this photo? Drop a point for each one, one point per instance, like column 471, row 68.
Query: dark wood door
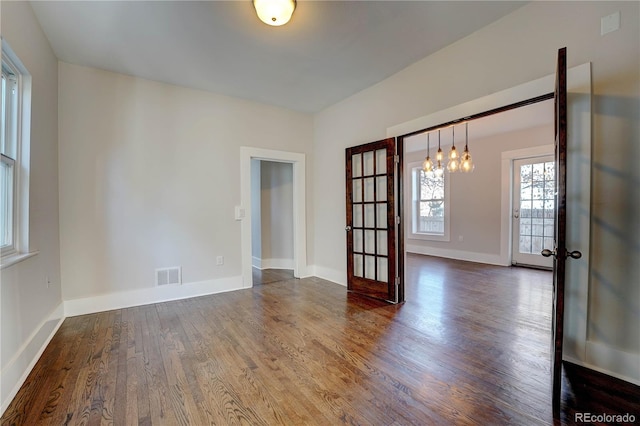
column 560, row 252
column 371, row 223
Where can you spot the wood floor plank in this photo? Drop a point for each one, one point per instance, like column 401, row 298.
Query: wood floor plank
column 470, row 346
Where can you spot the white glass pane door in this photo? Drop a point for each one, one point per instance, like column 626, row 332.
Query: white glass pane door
column 533, row 210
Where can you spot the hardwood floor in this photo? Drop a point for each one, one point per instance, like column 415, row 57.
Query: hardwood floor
column 470, row 346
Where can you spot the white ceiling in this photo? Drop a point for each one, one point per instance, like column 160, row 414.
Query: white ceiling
column 329, row 51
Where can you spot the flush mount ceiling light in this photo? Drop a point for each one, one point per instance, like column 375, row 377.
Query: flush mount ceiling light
column 274, row 12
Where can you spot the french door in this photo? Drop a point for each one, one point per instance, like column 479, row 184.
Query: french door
column 533, row 210
column 372, row 223
column 372, row 267
column 560, row 253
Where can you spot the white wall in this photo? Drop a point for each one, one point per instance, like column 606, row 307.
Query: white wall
column 277, row 214
column 475, row 198
column 519, row 48
column 29, row 311
column 149, row 177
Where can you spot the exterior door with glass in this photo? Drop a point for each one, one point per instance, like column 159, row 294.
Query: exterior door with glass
column 533, row 217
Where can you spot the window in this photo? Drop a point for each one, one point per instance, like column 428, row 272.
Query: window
column 12, row 169
column 430, row 205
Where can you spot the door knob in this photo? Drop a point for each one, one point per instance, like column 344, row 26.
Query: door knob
column 548, row 253
column 572, row 254
column 348, row 228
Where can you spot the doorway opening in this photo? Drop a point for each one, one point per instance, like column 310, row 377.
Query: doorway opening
column 271, row 217
column 286, row 171
column 533, row 211
column 472, row 207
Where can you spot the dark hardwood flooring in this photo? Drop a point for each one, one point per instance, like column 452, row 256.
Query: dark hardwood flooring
column 470, row 346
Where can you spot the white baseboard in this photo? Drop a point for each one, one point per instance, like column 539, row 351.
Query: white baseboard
column 17, row 370
column 274, row 263
column 469, row 256
column 256, row 262
column 329, row 274
column 614, row 362
column 146, row 296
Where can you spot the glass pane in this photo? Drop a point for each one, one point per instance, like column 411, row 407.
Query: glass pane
column 6, row 204
column 431, row 187
column 357, row 191
column 538, row 191
column 538, row 172
column 549, row 192
column 549, row 206
column 548, row 243
column 381, row 188
column 431, row 219
column 525, row 209
column 369, row 218
column 357, row 240
column 432, row 209
column 550, row 171
column 368, row 189
column 381, row 161
column 548, row 229
column 356, row 165
column 525, row 191
column 370, row 267
column 369, row 242
column 3, row 121
column 357, row 215
column 525, row 173
column 525, row 226
column 368, row 163
column 382, row 243
column 536, row 244
column 537, row 227
column 537, row 208
column 357, row 265
column 382, row 215
column 383, row 269
column 525, row 244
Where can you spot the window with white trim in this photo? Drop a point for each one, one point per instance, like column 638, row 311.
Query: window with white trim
column 429, row 205
column 11, row 148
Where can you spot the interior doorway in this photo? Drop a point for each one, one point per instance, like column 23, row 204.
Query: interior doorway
column 243, row 212
column 471, row 209
column 271, row 214
column 578, row 168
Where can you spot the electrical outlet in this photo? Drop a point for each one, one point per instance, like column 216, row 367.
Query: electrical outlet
column 220, row 260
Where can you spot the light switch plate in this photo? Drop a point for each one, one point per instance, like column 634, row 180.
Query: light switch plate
column 240, row 213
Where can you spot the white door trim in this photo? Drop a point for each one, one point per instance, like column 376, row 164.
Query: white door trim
column 299, row 209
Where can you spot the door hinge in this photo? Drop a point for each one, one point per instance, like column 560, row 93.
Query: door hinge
column 397, row 281
column 397, row 220
column 396, row 159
